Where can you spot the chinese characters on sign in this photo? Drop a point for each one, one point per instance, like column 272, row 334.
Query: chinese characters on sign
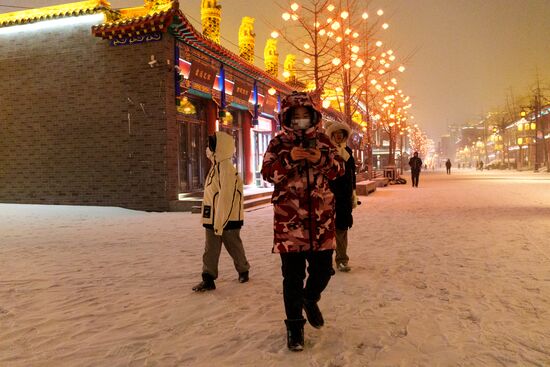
column 202, row 74
column 242, row 90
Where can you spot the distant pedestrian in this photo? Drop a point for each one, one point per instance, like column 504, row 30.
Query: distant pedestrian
column 222, row 212
column 300, row 161
column 344, row 192
column 416, row 165
column 448, row 166
column 481, row 165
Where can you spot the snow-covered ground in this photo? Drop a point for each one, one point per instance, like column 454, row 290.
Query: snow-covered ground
column 454, row 273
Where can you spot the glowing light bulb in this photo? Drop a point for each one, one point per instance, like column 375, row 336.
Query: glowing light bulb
column 354, row 57
column 335, row 26
column 344, row 15
column 322, row 32
column 348, row 31
column 387, row 65
column 326, row 103
column 286, row 74
column 294, row 16
column 355, row 35
column 316, row 24
column 330, row 34
column 355, row 49
column 294, row 7
column 286, row 16
column 338, row 39
column 306, row 46
column 365, row 15
column 329, row 20
column 360, row 63
column 330, row 7
column 274, row 34
column 347, row 66
column 394, row 81
column 373, row 82
column 307, row 61
column 390, row 52
column 272, row 91
column 392, row 57
column 379, row 44
column 336, row 61
column 385, row 26
column 401, row 69
column 380, row 12
column 381, row 72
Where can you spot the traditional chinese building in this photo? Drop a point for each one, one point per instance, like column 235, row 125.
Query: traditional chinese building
column 103, row 106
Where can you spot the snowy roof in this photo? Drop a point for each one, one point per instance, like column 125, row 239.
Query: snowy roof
column 56, row 12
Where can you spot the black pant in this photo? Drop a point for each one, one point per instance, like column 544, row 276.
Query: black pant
column 294, row 272
column 415, row 177
column 448, row 171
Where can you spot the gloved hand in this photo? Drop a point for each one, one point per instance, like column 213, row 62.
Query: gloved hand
column 354, row 200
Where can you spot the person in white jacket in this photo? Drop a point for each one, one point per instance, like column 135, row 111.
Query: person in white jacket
column 222, row 212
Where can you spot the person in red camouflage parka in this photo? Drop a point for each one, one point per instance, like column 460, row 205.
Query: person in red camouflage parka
column 300, row 161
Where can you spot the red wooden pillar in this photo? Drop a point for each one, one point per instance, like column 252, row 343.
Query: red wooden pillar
column 247, row 149
column 211, row 117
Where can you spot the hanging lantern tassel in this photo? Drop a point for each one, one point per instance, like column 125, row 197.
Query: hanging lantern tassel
column 255, row 97
column 221, row 83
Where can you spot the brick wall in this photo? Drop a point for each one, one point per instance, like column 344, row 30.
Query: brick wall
column 85, row 123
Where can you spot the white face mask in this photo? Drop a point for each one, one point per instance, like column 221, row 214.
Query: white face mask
column 301, row 124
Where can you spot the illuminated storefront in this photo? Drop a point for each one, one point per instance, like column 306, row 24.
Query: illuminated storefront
column 121, row 116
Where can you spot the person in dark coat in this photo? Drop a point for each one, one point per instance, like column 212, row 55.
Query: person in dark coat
column 416, row 165
column 344, row 192
column 448, row 166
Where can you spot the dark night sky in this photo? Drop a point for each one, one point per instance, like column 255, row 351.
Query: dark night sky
column 467, row 55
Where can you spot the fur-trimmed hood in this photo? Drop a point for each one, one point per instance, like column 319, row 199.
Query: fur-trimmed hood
column 331, row 127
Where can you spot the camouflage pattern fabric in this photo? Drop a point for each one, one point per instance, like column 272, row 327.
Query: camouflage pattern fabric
column 297, row 99
column 303, row 215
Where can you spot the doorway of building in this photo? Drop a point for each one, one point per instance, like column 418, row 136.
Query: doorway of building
column 193, row 139
column 261, row 141
column 192, row 165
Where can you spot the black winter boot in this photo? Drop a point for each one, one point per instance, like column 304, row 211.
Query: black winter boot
column 313, row 314
column 207, row 283
column 243, row 277
column 295, row 334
